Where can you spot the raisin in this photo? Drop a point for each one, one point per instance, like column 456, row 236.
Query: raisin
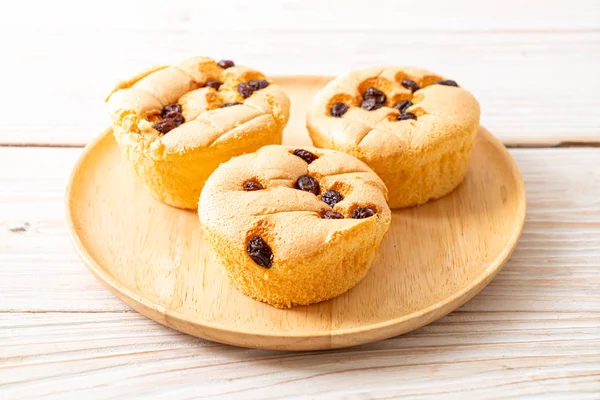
column 338, row 109
column 407, row 115
column 360, row 213
column 257, row 84
column 308, row 184
column 403, row 105
column 370, row 104
column 305, row 155
column 377, row 95
column 235, row 103
column 332, row 197
column 225, row 64
column 331, row 215
column 250, row 186
column 170, row 109
column 175, row 116
column 165, row 125
column 260, row 252
column 447, row 82
column 411, row 85
column 213, row 84
column 245, row 90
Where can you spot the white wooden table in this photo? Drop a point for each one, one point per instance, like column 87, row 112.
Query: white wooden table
column 534, row 65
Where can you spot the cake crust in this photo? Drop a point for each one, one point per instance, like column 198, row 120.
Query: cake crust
column 420, row 157
column 174, row 165
column 314, row 258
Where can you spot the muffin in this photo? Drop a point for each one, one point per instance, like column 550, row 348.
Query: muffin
column 177, row 123
column 294, row 226
column 413, row 127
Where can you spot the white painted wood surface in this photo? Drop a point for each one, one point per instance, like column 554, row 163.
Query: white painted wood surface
column 478, row 355
column 533, row 65
column 535, row 330
column 533, row 333
column 554, row 268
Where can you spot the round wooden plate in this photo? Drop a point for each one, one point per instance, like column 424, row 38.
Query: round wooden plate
column 434, row 258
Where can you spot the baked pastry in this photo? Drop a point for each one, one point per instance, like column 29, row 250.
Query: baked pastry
column 177, row 123
column 294, row 226
column 413, row 127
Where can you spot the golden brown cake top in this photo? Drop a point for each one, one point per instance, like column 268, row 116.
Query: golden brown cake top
column 387, row 110
column 297, row 200
column 195, row 103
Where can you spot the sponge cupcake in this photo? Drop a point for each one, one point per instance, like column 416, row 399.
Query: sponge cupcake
column 177, row 123
column 413, row 127
column 294, row 226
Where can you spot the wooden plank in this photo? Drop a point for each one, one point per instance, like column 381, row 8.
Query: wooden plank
column 309, row 15
column 32, row 232
column 554, row 267
column 481, row 355
column 511, row 55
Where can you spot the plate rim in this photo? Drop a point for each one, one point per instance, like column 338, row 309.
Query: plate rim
column 141, row 304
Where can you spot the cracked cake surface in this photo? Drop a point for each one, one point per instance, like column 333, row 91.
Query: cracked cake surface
column 412, row 126
column 294, row 226
column 177, row 123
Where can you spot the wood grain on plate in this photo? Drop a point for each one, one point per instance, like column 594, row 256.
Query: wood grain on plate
column 433, row 259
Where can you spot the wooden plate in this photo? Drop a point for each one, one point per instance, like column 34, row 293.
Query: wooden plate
column 434, row 258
